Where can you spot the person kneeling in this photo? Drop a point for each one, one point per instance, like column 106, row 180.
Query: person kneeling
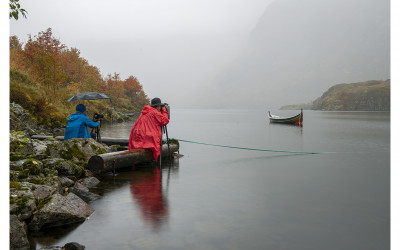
column 78, row 123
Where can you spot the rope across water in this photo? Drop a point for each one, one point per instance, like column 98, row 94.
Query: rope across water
column 255, row 149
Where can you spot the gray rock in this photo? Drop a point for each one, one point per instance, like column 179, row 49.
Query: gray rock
column 40, row 192
column 61, row 210
column 68, row 246
column 76, row 150
column 65, row 181
column 20, row 142
column 90, row 182
column 23, row 203
column 63, row 167
column 18, row 237
column 73, row 246
column 52, row 248
column 83, row 192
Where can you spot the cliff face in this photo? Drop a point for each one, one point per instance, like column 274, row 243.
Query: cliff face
column 362, row 96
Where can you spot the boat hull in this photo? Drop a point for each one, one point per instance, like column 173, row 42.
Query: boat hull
column 294, row 120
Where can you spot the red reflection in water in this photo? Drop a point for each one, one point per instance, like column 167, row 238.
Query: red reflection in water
column 147, row 193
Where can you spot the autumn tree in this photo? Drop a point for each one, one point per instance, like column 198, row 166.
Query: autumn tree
column 132, row 86
column 16, row 56
column 73, row 65
column 43, row 57
column 115, row 85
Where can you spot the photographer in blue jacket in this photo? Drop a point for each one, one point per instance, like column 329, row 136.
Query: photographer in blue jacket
column 78, row 123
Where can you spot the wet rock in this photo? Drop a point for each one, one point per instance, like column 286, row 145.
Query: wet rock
column 40, row 192
column 65, row 181
column 22, row 120
column 90, row 182
column 78, row 151
column 73, row 246
column 40, row 146
column 63, row 167
column 68, row 246
column 83, row 192
column 22, row 202
column 61, row 210
column 18, row 237
column 20, row 142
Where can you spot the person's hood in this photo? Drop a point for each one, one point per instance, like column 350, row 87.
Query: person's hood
column 75, row 116
column 147, row 109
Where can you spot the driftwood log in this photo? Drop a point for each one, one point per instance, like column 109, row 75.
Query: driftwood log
column 109, row 162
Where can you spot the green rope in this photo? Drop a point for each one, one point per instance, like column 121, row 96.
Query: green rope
column 256, row 149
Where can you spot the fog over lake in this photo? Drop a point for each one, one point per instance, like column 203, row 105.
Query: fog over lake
column 202, row 54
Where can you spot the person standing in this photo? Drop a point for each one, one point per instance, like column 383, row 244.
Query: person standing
column 146, row 133
column 78, row 123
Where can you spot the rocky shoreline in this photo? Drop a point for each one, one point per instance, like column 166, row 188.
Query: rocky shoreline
column 49, row 182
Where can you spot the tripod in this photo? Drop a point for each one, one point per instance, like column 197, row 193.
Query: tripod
column 164, row 131
column 95, row 133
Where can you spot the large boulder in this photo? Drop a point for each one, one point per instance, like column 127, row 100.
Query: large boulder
column 18, row 237
column 76, row 150
column 63, row 167
column 61, row 210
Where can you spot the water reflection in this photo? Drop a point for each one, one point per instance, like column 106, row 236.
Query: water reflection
column 148, row 195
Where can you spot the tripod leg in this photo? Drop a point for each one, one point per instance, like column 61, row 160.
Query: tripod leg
column 169, row 150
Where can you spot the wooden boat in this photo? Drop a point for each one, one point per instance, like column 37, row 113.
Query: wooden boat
column 295, row 120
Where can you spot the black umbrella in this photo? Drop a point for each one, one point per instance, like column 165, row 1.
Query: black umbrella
column 88, row 96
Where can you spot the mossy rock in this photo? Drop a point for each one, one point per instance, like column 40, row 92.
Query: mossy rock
column 63, row 167
column 75, row 150
column 16, row 156
column 34, row 166
column 20, row 142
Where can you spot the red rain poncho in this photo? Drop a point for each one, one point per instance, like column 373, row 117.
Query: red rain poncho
column 146, row 133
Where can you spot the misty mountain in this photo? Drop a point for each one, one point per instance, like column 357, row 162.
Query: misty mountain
column 300, row 48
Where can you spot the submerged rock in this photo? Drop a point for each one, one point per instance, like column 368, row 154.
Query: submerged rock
column 61, row 210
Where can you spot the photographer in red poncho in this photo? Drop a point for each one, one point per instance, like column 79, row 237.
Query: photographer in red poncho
column 146, row 133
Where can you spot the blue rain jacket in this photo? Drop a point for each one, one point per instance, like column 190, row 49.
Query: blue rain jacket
column 76, row 127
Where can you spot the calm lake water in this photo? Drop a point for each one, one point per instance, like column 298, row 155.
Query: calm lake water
column 223, row 198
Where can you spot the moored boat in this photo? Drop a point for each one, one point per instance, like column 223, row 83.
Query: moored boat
column 295, row 120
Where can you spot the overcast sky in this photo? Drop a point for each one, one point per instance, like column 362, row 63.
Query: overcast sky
column 171, row 46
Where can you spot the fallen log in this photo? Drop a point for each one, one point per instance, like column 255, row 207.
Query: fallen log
column 111, row 161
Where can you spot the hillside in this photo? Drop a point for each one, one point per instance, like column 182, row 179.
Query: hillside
column 44, row 73
column 362, row 96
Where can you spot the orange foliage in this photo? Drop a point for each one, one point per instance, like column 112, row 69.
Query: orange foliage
column 47, row 62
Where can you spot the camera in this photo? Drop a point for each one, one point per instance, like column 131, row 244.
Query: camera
column 97, row 116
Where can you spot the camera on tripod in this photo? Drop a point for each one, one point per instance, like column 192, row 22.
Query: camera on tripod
column 95, row 133
column 97, row 117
